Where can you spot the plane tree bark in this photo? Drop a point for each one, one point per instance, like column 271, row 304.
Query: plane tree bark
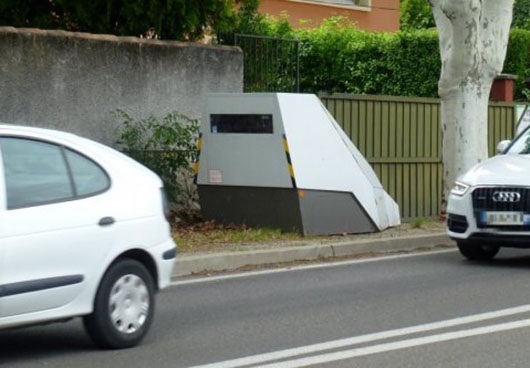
column 473, row 36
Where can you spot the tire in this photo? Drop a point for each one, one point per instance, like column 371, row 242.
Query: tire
column 123, row 307
column 477, row 252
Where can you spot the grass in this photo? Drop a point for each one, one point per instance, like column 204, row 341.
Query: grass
column 197, row 237
column 207, row 236
column 421, row 222
column 418, row 223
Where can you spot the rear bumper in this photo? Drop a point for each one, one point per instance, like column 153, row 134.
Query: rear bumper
column 165, row 255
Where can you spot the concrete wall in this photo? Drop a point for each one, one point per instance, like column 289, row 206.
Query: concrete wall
column 74, row 81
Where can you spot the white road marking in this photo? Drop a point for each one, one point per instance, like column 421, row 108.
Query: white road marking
column 341, row 343
column 305, row 267
column 404, row 344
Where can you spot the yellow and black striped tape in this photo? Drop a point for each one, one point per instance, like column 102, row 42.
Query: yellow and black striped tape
column 196, row 164
column 289, row 162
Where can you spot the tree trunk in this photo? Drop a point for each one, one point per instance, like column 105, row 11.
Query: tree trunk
column 464, row 130
column 473, row 38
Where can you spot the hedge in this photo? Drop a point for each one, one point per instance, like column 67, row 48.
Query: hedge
column 518, row 60
column 338, row 57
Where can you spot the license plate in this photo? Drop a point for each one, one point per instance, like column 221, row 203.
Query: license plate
column 504, row 218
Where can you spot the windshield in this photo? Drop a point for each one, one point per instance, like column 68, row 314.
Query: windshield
column 521, row 145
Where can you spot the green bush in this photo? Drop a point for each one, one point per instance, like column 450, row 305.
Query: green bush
column 167, row 146
column 416, row 14
column 248, row 20
column 168, row 19
column 518, row 59
column 339, row 57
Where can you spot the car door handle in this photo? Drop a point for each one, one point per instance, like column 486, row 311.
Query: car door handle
column 106, row 221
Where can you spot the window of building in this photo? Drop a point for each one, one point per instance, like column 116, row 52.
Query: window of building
column 360, row 3
column 367, row 3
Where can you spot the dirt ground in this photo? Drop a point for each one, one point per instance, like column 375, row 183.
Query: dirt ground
column 206, row 237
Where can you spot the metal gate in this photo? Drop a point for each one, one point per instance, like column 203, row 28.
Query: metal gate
column 270, row 64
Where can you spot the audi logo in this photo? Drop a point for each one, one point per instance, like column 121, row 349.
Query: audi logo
column 511, row 197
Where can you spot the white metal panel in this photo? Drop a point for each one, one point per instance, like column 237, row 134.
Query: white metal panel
column 388, row 209
column 392, row 210
column 357, row 155
column 321, row 160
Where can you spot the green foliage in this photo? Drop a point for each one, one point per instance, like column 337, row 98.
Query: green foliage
column 518, row 59
column 418, row 223
column 521, row 14
column 269, row 64
column 280, row 27
column 248, row 20
column 170, row 19
column 168, row 147
column 416, row 14
column 338, row 57
column 28, row 13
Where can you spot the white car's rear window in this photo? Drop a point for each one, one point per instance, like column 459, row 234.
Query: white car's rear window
column 35, row 172
column 38, row 172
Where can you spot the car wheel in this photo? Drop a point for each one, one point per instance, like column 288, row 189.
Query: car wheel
column 124, row 306
column 477, row 252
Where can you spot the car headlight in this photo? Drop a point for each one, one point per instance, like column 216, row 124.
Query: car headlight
column 459, row 189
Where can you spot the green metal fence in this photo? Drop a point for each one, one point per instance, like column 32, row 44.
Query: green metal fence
column 270, row 64
column 401, row 138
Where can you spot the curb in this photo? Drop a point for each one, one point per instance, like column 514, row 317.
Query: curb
column 189, row 264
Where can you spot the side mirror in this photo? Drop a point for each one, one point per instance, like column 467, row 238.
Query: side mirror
column 502, row 145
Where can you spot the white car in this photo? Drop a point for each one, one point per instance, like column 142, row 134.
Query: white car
column 83, row 232
column 489, row 206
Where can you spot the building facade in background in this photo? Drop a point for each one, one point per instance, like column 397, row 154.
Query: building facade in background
column 370, row 15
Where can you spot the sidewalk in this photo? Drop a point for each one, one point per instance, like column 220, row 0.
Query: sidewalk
column 194, row 263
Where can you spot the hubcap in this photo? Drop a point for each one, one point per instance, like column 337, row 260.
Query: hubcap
column 129, row 303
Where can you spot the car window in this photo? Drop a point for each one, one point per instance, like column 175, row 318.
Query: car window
column 88, row 177
column 35, row 172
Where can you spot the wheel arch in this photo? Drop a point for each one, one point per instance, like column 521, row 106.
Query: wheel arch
column 136, row 254
column 98, row 323
column 144, row 258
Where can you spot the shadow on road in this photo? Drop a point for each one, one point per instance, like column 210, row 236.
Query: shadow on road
column 68, row 343
column 513, row 258
column 41, row 342
column 511, row 262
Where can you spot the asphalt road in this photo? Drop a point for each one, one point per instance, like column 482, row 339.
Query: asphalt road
column 430, row 310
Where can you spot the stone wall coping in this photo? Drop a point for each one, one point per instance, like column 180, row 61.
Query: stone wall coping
column 114, row 38
column 507, row 76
